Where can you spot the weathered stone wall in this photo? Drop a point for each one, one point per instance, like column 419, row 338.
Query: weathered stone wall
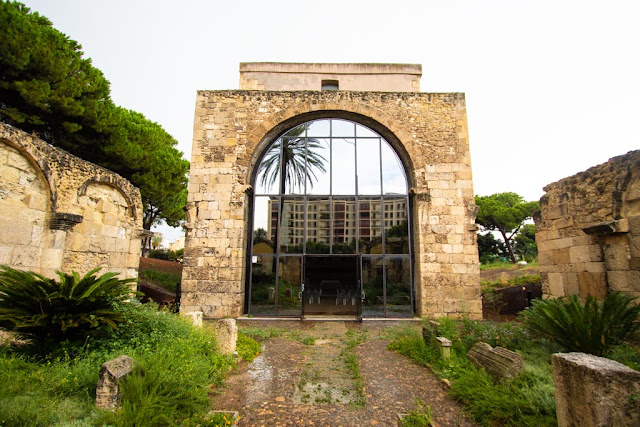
column 429, row 131
column 594, row 391
column 309, row 76
column 59, row 212
column 588, row 231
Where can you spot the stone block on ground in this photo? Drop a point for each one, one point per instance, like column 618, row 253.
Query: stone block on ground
column 108, row 394
column 226, row 332
column 195, row 316
column 499, row 362
column 594, row 391
column 430, row 332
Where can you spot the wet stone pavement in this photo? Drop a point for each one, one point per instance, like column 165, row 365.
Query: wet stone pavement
column 332, row 374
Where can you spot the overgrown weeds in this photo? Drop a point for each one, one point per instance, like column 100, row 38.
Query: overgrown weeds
column 527, row 400
column 176, row 366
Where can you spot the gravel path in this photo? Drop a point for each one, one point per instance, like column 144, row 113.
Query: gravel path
column 293, row 384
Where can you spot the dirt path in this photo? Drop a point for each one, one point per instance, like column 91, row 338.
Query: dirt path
column 315, row 384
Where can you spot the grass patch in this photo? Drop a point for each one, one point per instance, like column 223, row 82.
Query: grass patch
column 352, row 340
column 419, row 417
column 309, row 341
column 507, row 265
column 176, row 366
column 525, row 400
column 166, row 280
column 248, row 348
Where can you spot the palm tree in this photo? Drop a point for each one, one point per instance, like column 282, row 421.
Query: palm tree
column 292, row 170
column 301, row 160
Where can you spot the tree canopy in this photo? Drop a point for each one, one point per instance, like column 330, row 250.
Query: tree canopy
column 47, row 87
column 506, row 213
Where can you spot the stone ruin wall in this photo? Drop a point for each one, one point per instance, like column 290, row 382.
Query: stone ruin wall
column 59, row 212
column 588, row 231
column 429, row 131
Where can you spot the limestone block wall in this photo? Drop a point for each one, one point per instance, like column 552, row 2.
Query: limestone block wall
column 588, row 231
column 429, row 131
column 309, row 76
column 59, row 212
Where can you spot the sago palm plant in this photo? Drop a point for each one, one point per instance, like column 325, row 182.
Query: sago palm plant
column 47, row 309
column 593, row 327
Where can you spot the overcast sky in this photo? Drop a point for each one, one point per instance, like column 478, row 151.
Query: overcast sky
column 552, row 87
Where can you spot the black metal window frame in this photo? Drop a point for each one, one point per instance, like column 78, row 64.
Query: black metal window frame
column 331, row 197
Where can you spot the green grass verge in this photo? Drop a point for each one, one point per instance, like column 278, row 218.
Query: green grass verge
column 168, row 281
column 507, row 265
column 527, row 400
column 176, row 367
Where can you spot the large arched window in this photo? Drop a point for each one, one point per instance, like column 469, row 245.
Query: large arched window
column 330, row 225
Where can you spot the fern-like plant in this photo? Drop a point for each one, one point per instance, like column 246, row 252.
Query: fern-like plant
column 47, row 309
column 593, row 327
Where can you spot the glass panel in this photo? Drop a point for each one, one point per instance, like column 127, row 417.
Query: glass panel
column 344, row 226
column 372, row 274
column 330, row 285
column 369, row 166
column 342, row 128
column 297, row 131
column 318, row 128
column 396, row 225
column 263, row 286
column 318, row 166
column 265, row 220
column 292, row 226
column 343, row 158
column 363, row 131
column 393, row 178
column 293, row 150
column 398, row 272
column 268, row 180
column 318, row 226
column 289, row 285
column 370, row 227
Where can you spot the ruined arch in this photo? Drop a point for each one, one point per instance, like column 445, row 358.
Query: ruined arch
column 232, row 130
column 111, row 181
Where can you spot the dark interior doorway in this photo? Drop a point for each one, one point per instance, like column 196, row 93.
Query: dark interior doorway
column 331, row 285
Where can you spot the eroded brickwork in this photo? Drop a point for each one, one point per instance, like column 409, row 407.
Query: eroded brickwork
column 429, row 131
column 588, row 230
column 59, row 212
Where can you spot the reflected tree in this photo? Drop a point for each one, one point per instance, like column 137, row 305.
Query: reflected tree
column 292, row 159
column 292, row 170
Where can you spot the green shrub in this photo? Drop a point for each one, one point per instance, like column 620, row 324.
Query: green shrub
column 50, row 310
column 593, row 327
column 176, row 366
column 248, row 348
column 526, row 400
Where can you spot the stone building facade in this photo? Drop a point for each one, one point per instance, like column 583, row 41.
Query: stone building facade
column 428, row 132
column 59, row 212
column 588, row 231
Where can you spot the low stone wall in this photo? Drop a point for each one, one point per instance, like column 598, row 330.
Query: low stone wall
column 594, row 391
column 59, row 212
column 588, row 231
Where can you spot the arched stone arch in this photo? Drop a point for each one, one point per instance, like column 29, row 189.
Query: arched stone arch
column 113, row 181
column 265, row 140
column 232, row 130
column 40, row 165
